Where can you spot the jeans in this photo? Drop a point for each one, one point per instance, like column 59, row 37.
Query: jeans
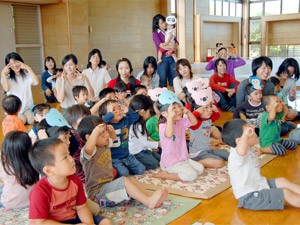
column 166, row 71
column 226, row 101
column 149, row 159
column 50, row 98
column 128, row 165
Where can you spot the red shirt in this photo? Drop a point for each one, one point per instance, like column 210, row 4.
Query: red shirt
column 112, row 83
column 48, row 202
column 221, row 84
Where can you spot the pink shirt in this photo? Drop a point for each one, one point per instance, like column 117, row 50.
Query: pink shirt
column 48, row 202
column 174, row 149
column 13, row 194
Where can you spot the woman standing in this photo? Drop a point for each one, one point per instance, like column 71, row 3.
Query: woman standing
column 71, row 77
column 166, row 68
column 17, row 79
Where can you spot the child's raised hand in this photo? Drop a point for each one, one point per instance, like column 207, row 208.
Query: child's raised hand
column 214, row 108
column 249, row 131
column 99, row 129
column 185, row 110
column 200, row 110
column 124, row 108
column 171, row 112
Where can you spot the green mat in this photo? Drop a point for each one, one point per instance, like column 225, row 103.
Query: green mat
column 131, row 213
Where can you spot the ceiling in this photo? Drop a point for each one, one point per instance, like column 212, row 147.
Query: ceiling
column 36, row 2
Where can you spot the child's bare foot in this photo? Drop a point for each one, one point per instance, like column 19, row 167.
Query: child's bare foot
column 166, row 175
column 159, row 61
column 157, row 198
column 161, row 174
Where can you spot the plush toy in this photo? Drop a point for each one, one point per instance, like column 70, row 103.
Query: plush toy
column 154, row 93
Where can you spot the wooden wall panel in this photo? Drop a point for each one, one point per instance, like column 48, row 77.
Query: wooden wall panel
column 122, row 29
column 284, row 32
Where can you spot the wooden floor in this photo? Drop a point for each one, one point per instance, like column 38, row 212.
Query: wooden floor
column 222, row 209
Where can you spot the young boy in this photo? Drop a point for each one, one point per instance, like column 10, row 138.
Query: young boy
column 269, row 134
column 81, row 95
column 252, row 190
column 97, row 164
column 12, row 105
column 113, row 113
column 39, row 113
column 59, row 195
column 146, row 81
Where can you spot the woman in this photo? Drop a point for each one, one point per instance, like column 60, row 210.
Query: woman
column 184, row 70
column 125, row 80
column 150, row 67
column 17, row 79
column 97, row 75
column 288, row 74
column 50, row 69
column 166, row 68
column 71, row 77
column 224, row 85
column 232, row 61
column 261, row 67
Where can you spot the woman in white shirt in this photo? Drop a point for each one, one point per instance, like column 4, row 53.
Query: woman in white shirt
column 97, row 75
column 17, row 79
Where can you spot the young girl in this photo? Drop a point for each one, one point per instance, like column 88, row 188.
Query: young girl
column 185, row 75
column 150, row 67
column 50, row 67
column 125, row 77
column 139, row 146
column 16, row 171
column 70, row 78
column 17, row 79
column 175, row 162
column 98, row 76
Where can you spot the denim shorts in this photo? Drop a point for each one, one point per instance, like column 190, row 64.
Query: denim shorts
column 266, row 199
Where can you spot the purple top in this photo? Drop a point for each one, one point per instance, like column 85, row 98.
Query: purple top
column 158, row 38
column 231, row 64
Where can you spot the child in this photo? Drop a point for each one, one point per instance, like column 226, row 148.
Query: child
column 251, row 108
column 39, row 113
column 73, row 116
column 97, row 163
column 206, row 113
column 56, row 74
column 152, row 124
column 114, row 114
column 59, row 195
column 278, row 90
column 169, row 38
column 81, row 95
column 140, row 90
column 269, row 134
column 252, row 190
column 16, row 171
column 122, row 93
column 146, row 81
column 108, row 93
column 12, row 106
column 175, row 163
column 139, row 146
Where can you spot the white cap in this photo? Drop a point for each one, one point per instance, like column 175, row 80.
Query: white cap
column 171, row 20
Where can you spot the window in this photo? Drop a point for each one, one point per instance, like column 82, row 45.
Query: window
column 285, row 51
column 260, row 8
column 225, row 8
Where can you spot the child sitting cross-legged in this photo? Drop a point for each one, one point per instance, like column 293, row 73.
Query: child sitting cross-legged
column 59, row 196
column 200, row 135
column 97, row 164
column 120, row 117
column 269, row 131
column 252, row 190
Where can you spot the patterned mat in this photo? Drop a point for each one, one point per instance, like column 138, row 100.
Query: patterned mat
column 131, row 213
column 210, row 183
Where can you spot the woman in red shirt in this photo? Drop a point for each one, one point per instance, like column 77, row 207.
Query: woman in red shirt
column 225, row 86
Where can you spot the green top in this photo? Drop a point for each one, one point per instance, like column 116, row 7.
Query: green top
column 152, row 127
column 269, row 132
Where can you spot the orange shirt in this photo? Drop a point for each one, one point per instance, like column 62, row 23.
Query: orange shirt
column 12, row 122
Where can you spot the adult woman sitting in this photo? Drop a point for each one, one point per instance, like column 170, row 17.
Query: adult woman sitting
column 232, row 61
column 261, row 68
column 50, row 69
column 71, row 77
column 224, row 85
column 166, row 68
column 17, row 79
column 150, row 67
